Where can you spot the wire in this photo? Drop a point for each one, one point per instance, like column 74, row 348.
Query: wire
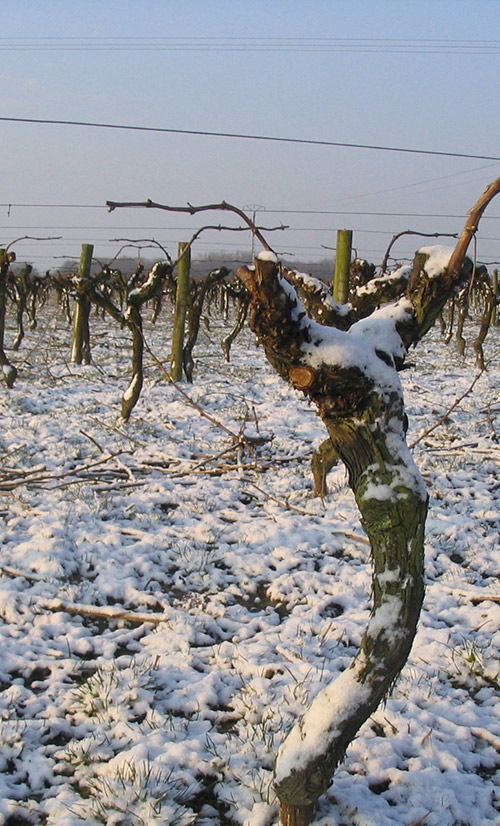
column 416, row 183
column 273, row 211
column 164, row 229
column 240, row 136
column 378, row 214
column 259, row 44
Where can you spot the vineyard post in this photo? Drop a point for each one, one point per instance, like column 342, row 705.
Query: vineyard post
column 80, row 344
column 342, row 266
column 181, row 299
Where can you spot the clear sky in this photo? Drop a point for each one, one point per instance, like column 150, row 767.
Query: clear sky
column 420, row 74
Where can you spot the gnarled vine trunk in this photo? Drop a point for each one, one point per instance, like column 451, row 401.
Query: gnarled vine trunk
column 80, row 343
column 350, row 375
column 363, row 413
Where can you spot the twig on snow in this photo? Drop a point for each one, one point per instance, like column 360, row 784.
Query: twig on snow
column 477, row 598
column 15, row 572
column 447, row 413
column 236, row 438
column 91, row 439
column 420, row 820
column 120, row 432
column 484, row 734
column 104, row 613
column 287, row 505
column 22, row 477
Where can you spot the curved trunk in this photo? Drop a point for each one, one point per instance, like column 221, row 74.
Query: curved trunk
column 20, row 309
column 393, row 506
column 365, row 420
column 133, row 391
column 486, row 321
column 196, row 302
column 181, row 301
column 9, row 372
column 80, row 344
column 241, row 315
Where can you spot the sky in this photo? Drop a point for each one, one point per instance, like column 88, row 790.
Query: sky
column 412, row 75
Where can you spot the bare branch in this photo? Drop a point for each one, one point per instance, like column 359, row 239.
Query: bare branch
column 152, row 242
column 33, row 238
column 445, row 415
column 110, row 613
column 192, row 210
column 468, row 232
column 236, row 438
column 383, row 266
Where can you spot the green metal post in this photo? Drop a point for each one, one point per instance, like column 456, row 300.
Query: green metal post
column 342, row 266
column 80, row 345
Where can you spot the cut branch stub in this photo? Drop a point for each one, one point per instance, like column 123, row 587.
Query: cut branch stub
column 302, row 377
column 275, row 316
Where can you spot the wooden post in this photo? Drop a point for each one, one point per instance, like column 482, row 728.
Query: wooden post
column 342, row 266
column 181, row 298
column 80, row 344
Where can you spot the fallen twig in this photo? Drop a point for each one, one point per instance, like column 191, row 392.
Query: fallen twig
column 236, row 438
column 287, row 505
column 91, row 439
column 420, row 820
column 120, row 432
column 483, row 734
column 104, row 613
column 447, row 413
column 25, row 477
column 483, row 598
column 15, row 572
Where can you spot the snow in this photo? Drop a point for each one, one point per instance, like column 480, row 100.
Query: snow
column 379, row 329
column 351, row 349
column 311, row 736
column 8, row 371
column 438, row 259
column 361, row 346
column 258, row 594
column 315, row 285
column 132, row 388
column 267, row 255
column 394, row 275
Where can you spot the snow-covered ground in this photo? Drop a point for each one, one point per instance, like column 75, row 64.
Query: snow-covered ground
column 256, row 594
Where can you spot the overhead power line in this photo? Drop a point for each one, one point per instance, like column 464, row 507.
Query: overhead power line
column 241, row 136
column 255, row 44
column 276, row 211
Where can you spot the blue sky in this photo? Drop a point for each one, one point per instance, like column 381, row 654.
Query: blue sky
column 406, row 78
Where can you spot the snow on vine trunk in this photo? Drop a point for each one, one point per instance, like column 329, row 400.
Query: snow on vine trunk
column 351, row 377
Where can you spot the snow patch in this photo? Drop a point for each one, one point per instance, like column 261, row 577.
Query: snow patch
column 438, row 260
column 267, row 255
column 320, row 725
